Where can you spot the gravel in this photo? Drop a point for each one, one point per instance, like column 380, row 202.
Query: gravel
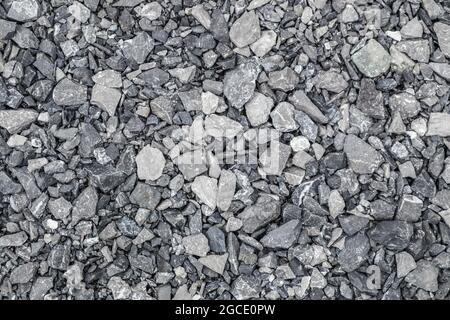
column 224, row 150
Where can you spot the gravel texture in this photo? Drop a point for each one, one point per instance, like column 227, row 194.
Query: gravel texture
column 186, row 149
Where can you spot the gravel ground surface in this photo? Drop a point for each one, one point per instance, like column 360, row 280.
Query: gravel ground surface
column 185, row 149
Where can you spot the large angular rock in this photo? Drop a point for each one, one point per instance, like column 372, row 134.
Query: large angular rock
column 283, row 117
column 14, row 239
column 196, row 245
column 240, row 83
column 23, row 273
column 284, row 80
column 362, row 157
column 205, row 189
column 355, row 252
column 226, row 189
column 246, row 287
column 191, row 164
column 265, row 210
column 410, row 208
column 106, row 98
column 370, row 100
column 442, row 69
column 282, row 237
column 258, row 109
column 69, row 93
column 7, row 29
column 310, row 255
column 443, row 34
column 395, row 235
column 24, row 10
column 331, row 81
column 405, row 263
column 273, row 160
column 150, row 163
column 301, row 102
column 221, row 126
column 264, row 44
column 145, row 196
column 372, row 60
column 245, row 30
column 215, row 262
column 191, row 100
column 439, row 124
column 424, row 276
column 85, row 205
column 418, row 50
column 17, row 120
column 138, row 48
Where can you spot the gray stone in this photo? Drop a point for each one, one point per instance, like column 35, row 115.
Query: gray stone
column 306, row 126
column 283, row 237
column 418, row 50
column 40, row 287
column 205, row 189
column 395, row 235
column 405, row 263
column 442, row 69
column 336, row 203
column 273, row 160
column 59, row 257
column 310, row 255
column 222, row 126
column 85, row 205
column 191, row 164
column 258, row 215
column 201, row 15
column 79, row 12
column 108, row 78
column 7, row 29
column 372, row 60
column 424, row 276
column 370, row 100
column 284, row 80
column 138, row 48
column 24, row 10
column 7, row 186
column 283, row 117
column 215, row 262
column 145, row 196
column 362, row 158
column 69, row 93
column 330, row 81
column 17, row 120
column 264, row 44
column 349, row 14
column 245, row 30
column 119, row 288
column 240, row 83
column 13, row 239
column 150, row 163
column 443, row 34
column 433, row 9
column 196, row 245
column 155, row 77
column 258, row 109
column 150, row 11
column 226, row 189
column 410, row 208
column 106, row 98
column 413, row 29
column 246, row 287
column 355, row 252
column 192, row 99
column 162, row 107
column 23, row 273
column 439, row 124
column 301, row 102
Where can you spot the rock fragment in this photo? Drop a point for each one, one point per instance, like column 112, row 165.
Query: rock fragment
column 69, row 93
column 245, row 30
column 372, row 60
column 150, row 163
column 16, row 120
column 363, row 158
